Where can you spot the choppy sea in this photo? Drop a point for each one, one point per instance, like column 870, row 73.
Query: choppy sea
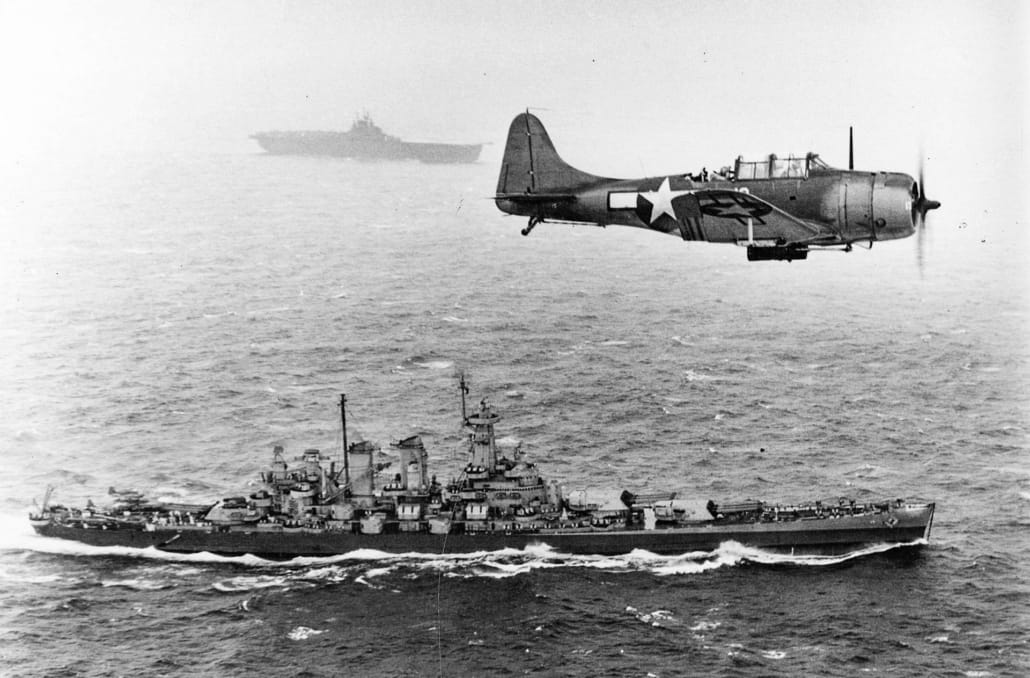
column 166, row 320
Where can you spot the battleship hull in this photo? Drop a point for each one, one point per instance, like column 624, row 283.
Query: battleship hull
column 496, row 503
column 909, row 525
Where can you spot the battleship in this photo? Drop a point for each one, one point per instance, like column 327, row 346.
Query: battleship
column 499, row 500
column 364, row 141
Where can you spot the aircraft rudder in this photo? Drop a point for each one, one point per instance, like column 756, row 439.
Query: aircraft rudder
column 516, row 165
column 531, row 164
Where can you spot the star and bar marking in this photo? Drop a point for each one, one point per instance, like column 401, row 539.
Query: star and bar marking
column 661, row 200
column 726, row 204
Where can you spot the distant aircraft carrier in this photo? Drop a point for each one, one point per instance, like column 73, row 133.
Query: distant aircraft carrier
column 365, row 141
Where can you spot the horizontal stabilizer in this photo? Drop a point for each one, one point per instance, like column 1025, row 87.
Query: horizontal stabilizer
column 536, row 197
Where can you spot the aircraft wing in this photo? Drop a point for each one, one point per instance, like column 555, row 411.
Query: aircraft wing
column 726, row 212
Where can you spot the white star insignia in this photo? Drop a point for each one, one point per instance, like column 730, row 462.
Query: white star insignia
column 661, row 200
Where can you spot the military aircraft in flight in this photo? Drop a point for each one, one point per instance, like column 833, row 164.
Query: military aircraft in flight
column 779, row 208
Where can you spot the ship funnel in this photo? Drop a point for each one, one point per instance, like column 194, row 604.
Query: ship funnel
column 413, row 451
column 362, row 468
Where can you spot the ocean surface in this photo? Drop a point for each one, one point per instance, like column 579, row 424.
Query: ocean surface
column 166, row 320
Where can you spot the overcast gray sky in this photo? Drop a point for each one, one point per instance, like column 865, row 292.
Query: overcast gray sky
column 625, row 88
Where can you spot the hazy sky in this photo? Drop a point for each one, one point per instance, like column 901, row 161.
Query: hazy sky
column 625, row 88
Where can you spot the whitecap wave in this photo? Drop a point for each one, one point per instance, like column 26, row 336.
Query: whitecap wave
column 304, row 632
column 137, row 584
column 656, row 618
column 433, row 364
column 245, row 583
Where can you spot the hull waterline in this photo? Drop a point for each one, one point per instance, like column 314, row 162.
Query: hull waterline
column 828, row 536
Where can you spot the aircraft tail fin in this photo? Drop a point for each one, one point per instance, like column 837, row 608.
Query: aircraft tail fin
column 532, row 166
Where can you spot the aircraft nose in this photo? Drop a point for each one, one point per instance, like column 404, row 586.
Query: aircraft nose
column 895, row 196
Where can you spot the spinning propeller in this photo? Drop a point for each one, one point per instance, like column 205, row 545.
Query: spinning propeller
column 920, row 206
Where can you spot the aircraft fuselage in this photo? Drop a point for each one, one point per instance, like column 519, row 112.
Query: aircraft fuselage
column 856, row 206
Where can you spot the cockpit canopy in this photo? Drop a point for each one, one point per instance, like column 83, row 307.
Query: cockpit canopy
column 774, row 167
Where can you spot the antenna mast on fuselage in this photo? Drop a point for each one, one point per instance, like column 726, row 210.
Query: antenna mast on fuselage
column 851, row 148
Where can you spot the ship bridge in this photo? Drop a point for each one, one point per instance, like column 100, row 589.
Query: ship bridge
column 775, row 167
